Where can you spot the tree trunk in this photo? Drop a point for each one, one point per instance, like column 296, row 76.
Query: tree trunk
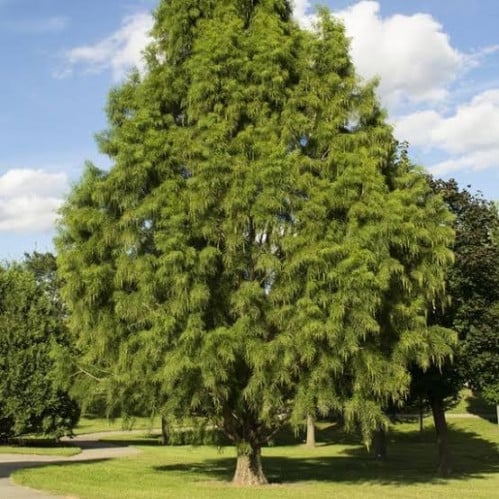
column 437, row 409
column 165, row 434
column 421, row 414
column 249, row 469
column 379, row 444
column 310, row 431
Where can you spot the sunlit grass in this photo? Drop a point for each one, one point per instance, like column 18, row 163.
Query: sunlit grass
column 41, row 449
column 95, row 425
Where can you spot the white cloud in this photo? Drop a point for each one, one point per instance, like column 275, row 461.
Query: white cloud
column 469, row 135
column 410, row 53
column 29, row 199
column 475, row 125
column 119, row 51
column 302, row 12
column 417, row 128
column 474, row 161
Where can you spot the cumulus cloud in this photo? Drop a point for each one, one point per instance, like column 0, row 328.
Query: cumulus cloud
column 410, row 54
column 469, row 135
column 119, row 51
column 474, row 161
column 302, row 12
column 29, row 199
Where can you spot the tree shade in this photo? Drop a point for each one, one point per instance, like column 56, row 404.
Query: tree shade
column 261, row 248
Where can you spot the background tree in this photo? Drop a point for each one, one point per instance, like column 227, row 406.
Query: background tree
column 472, row 310
column 259, row 249
column 31, row 332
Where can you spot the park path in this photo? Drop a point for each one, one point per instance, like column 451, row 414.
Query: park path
column 92, row 449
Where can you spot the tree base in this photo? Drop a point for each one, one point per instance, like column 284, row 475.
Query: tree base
column 310, row 432
column 249, row 469
column 379, row 445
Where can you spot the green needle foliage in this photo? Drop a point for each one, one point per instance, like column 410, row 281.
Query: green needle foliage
column 261, row 247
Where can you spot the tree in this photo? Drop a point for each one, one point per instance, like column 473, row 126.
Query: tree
column 31, row 330
column 474, row 287
column 260, row 247
column 472, row 310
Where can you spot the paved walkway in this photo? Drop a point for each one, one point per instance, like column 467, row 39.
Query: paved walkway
column 92, row 449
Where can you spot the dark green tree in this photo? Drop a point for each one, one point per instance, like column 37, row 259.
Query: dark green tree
column 260, row 248
column 32, row 331
column 471, row 310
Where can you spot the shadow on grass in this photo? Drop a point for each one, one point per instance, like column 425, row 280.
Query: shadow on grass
column 411, row 460
column 479, row 407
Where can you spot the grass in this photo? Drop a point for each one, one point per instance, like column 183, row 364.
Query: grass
column 473, row 404
column 338, row 466
column 41, row 447
column 95, row 425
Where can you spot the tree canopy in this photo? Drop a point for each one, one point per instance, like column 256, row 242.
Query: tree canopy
column 31, row 332
column 261, row 247
column 473, row 286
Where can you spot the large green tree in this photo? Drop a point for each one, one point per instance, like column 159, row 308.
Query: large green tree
column 32, row 333
column 260, row 248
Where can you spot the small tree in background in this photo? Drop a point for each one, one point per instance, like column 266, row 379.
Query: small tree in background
column 32, row 332
column 472, row 310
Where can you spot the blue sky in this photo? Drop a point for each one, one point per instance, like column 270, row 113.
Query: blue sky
column 438, row 62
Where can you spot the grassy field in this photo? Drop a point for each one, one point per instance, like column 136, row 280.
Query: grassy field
column 41, row 450
column 94, row 425
column 472, row 404
column 339, row 466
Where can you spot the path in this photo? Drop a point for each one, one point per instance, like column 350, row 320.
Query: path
column 92, row 449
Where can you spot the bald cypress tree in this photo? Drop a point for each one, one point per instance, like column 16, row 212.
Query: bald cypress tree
column 260, row 248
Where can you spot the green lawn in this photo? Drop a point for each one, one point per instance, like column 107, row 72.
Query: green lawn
column 41, row 448
column 342, row 470
column 472, row 404
column 94, row 425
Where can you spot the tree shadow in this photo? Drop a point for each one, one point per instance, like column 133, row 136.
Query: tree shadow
column 479, row 407
column 411, row 460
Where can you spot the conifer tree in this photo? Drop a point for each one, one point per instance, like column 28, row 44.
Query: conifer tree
column 260, row 249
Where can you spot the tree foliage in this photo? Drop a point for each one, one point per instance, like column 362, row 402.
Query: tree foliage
column 472, row 310
column 260, row 247
column 31, row 332
column 473, row 286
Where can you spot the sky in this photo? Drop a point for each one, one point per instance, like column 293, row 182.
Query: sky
column 437, row 62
